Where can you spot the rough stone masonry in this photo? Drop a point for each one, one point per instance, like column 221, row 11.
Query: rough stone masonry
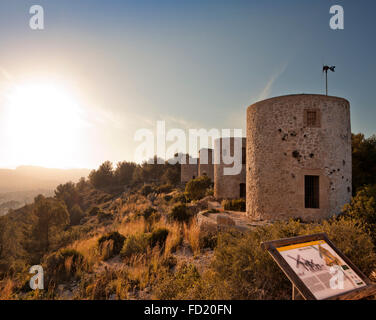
column 298, row 157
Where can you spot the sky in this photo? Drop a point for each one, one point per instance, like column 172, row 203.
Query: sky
column 74, row 94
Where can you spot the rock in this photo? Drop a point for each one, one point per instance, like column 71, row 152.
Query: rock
column 225, row 220
column 67, row 295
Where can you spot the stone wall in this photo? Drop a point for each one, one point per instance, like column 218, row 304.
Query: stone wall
column 206, row 163
column 291, row 137
column 229, row 186
column 188, row 171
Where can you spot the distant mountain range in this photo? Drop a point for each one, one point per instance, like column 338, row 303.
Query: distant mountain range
column 26, row 178
column 19, row 186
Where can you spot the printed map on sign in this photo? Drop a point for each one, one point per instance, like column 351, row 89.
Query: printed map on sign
column 321, row 269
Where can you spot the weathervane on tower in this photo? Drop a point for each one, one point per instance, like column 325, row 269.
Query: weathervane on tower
column 325, row 69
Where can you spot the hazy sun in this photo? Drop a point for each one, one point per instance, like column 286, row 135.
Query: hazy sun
column 42, row 125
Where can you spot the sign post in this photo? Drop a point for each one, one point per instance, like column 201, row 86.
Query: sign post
column 318, row 270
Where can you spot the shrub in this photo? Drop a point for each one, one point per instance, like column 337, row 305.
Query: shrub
column 111, row 244
column 139, row 243
column 151, row 216
column 180, row 213
column 76, row 214
column 64, row 265
column 363, row 160
column 363, row 208
column 208, row 240
column 150, row 213
column 104, row 198
column 165, row 188
column 169, row 262
column 167, row 197
column 209, row 192
column 107, row 283
column 98, row 289
column 146, row 190
column 94, row 211
column 179, row 197
column 196, row 188
column 159, row 236
column 135, row 244
column 102, row 216
column 234, row 205
column 178, row 285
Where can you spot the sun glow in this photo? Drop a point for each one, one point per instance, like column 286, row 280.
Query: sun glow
column 42, row 125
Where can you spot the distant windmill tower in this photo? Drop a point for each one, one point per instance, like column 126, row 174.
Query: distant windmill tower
column 325, row 69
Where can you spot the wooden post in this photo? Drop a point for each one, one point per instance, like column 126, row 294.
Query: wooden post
column 293, row 292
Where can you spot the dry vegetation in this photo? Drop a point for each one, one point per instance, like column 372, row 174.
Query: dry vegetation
column 144, row 242
column 144, row 254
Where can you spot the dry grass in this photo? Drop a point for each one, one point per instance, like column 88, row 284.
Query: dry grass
column 133, row 227
column 135, row 203
column 192, row 235
column 144, row 268
column 6, row 290
column 140, row 271
column 174, row 238
column 88, row 248
column 68, row 264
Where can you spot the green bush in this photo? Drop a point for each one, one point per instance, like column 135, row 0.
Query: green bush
column 363, row 208
column 179, row 285
column 180, row 213
column 64, row 265
column 179, row 197
column 110, row 244
column 135, row 244
column 138, row 244
column 158, row 236
column 196, row 188
column 234, row 205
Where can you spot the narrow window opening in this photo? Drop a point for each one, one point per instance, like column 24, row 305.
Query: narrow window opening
column 311, row 192
column 242, row 190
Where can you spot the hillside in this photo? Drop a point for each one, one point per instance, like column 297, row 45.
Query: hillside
column 134, row 232
column 146, row 243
